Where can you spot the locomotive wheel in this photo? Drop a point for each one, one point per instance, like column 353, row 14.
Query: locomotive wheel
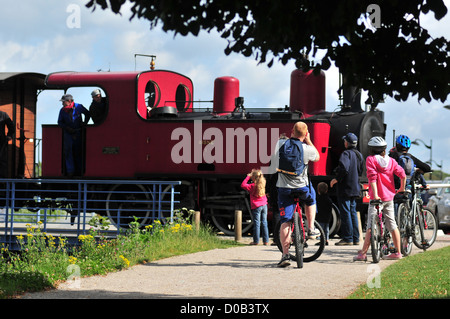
column 185, row 198
column 223, row 218
column 126, row 201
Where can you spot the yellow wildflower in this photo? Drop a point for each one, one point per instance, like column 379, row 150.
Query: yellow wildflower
column 126, row 261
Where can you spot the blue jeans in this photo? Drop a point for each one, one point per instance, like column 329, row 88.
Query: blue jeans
column 349, row 220
column 260, row 218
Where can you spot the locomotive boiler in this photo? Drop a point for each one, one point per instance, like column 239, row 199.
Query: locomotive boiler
column 152, row 131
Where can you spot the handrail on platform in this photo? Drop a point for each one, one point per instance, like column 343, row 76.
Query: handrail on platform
column 52, row 201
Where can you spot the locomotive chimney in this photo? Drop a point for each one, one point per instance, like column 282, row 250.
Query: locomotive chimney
column 351, row 96
column 307, row 92
column 226, row 90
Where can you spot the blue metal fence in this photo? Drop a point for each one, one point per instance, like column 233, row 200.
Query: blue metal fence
column 68, row 208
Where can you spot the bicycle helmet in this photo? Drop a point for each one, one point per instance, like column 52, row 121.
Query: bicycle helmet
column 402, row 142
column 377, row 141
column 377, row 145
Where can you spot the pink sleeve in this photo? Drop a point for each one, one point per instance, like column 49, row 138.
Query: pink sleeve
column 245, row 184
column 371, row 170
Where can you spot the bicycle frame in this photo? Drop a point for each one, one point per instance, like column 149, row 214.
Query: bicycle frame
column 298, row 209
column 416, row 223
column 414, row 219
column 311, row 248
column 379, row 244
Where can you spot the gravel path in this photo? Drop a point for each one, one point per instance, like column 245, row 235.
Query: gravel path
column 242, row 272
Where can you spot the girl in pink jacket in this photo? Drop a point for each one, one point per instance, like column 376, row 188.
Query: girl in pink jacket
column 380, row 172
column 258, row 204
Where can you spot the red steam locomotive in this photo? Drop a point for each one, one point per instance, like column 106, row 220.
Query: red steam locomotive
column 151, row 131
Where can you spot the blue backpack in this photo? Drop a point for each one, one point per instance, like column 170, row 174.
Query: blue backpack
column 290, row 157
column 407, row 163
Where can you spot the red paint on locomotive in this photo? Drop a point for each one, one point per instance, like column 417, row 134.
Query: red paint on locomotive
column 226, row 90
column 307, row 92
column 132, row 143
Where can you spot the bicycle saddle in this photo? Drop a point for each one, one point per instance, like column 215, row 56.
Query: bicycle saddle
column 375, row 201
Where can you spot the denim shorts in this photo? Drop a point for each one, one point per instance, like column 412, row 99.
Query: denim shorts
column 286, row 202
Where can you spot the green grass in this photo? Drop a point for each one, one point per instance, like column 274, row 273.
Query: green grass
column 421, row 276
column 45, row 261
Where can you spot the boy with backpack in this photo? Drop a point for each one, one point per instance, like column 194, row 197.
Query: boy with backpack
column 294, row 154
column 407, row 161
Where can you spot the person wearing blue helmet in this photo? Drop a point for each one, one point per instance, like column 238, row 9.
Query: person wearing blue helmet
column 401, row 154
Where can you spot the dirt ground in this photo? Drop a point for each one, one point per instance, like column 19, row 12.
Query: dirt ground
column 242, row 272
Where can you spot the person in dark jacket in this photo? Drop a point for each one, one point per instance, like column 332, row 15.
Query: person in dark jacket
column 97, row 109
column 351, row 165
column 5, row 122
column 402, row 145
column 71, row 121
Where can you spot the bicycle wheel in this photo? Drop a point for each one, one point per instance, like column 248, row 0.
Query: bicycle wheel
column 298, row 239
column 425, row 229
column 405, row 229
column 375, row 239
column 313, row 248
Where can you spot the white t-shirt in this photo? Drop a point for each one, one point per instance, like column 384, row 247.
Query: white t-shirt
column 288, row 181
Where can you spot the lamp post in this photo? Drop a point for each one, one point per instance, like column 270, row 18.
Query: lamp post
column 430, row 147
column 440, row 167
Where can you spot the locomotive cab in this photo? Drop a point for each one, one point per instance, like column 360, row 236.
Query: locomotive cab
column 132, row 98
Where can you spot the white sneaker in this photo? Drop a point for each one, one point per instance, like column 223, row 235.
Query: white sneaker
column 313, row 234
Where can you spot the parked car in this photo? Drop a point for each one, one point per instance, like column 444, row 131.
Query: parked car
column 439, row 204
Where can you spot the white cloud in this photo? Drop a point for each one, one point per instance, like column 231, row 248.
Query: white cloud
column 59, row 53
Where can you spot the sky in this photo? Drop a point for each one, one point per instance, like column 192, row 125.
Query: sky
column 63, row 35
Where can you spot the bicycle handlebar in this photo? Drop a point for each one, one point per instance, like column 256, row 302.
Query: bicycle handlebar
column 375, row 201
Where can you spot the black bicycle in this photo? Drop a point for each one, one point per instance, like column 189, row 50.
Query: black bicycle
column 416, row 224
column 301, row 248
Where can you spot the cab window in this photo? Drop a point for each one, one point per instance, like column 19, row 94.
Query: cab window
column 94, row 100
column 183, row 98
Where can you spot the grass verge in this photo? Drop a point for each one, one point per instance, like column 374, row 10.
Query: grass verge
column 421, row 276
column 44, row 261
